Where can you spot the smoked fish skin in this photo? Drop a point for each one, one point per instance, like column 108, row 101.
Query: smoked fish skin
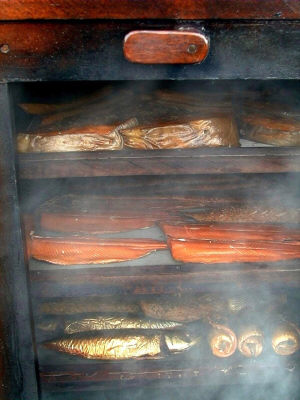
column 250, row 341
column 83, row 250
column 104, row 322
column 275, row 131
column 210, row 252
column 255, row 214
column 286, row 339
column 122, row 346
column 212, row 132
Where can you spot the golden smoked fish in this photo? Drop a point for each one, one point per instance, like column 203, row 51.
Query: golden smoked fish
column 286, row 339
column 104, row 322
column 84, row 250
column 212, row 132
column 222, row 341
column 88, row 305
column 250, row 341
column 85, row 138
column 123, row 346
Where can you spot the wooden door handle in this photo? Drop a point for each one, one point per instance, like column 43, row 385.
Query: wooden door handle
column 165, row 47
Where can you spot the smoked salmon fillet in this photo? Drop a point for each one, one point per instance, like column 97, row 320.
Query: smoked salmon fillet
column 81, row 250
column 94, row 224
column 209, row 252
column 249, row 232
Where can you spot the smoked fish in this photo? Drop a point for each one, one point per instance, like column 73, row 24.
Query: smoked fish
column 276, row 131
column 286, row 339
column 250, row 341
column 255, row 214
column 105, row 322
column 85, row 138
column 209, row 252
column 123, row 346
column 91, row 304
column 222, row 341
column 227, row 231
column 185, row 308
column 212, row 132
column 84, row 250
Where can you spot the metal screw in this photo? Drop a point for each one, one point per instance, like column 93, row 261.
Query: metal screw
column 192, row 48
column 4, row 48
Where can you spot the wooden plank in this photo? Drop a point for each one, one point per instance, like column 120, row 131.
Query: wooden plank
column 77, row 50
column 133, row 9
column 18, row 333
column 159, row 162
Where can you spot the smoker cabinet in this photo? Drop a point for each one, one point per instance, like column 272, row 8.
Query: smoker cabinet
column 46, row 41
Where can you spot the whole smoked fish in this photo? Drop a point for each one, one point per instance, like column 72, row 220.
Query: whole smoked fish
column 286, row 339
column 212, row 132
column 222, row 341
column 123, row 346
column 91, row 304
column 226, row 231
column 250, row 341
column 104, row 322
column 209, row 252
column 185, row 308
column 83, row 250
column 255, row 214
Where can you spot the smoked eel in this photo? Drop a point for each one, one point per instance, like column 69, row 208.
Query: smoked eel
column 286, row 339
column 222, row 341
column 250, row 341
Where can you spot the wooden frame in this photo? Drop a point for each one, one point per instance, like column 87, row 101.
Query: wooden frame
column 133, row 9
column 20, row 358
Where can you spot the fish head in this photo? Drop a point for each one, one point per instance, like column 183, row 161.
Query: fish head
column 177, row 342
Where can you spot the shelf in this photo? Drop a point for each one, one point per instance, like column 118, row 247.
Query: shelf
column 103, row 375
column 160, row 162
column 161, row 279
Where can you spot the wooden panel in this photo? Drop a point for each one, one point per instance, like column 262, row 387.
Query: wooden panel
column 234, row 370
column 126, row 9
column 165, row 47
column 162, row 279
column 18, row 334
column 92, row 51
column 159, row 162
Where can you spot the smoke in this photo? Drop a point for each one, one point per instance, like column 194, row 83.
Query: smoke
column 268, row 302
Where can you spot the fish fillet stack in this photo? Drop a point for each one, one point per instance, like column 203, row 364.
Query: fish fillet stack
column 236, row 233
column 109, row 120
